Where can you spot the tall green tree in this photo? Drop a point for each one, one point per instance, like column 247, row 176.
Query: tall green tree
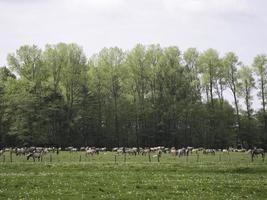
column 112, row 61
column 55, row 60
column 28, row 64
column 5, row 76
column 209, row 64
column 139, row 83
column 245, row 87
column 75, row 74
column 191, row 62
column 231, row 63
column 260, row 68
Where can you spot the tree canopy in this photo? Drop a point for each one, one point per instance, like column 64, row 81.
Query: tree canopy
column 147, row 96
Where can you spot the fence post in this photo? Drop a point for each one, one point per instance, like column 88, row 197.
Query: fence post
column 124, row 157
column 11, row 156
column 80, row 158
column 115, row 159
column 50, row 157
column 4, row 158
column 197, row 157
column 149, row 158
column 158, row 158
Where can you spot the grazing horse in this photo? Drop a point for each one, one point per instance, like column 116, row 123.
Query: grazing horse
column 209, row 151
column 145, row 151
column 195, row 151
column 225, row 151
column 182, row 152
column 90, row 151
column 255, row 152
column 20, row 151
column 190, row 149
column 34, row 155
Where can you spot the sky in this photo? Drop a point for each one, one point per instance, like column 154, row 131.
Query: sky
column 226, row 25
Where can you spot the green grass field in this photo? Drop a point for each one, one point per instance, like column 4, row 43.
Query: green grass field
column 73, row 176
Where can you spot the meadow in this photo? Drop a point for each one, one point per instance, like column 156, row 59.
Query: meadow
column 75, row 176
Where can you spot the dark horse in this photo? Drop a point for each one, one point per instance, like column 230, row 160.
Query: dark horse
column 255, row 152
column 34, row 155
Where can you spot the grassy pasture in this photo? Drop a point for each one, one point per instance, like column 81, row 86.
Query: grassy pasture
column 74, row 176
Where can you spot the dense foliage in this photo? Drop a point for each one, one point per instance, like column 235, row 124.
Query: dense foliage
column 147, row 96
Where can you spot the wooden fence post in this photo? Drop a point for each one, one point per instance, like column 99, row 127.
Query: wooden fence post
column 115, row 159
column 124, row 157
column 80, row 158
column 158, row 158
column 149, row 158
column 50, row 157
column 197, row 157
column 4, row 158
column 11, row 156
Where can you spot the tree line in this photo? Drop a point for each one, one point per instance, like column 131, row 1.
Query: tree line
column 146, row 96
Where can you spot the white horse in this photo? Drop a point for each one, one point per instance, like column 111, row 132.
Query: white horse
column 90, row 151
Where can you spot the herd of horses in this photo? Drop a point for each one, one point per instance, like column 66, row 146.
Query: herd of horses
column 36, row 153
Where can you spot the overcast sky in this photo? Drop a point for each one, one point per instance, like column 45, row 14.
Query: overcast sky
column 226, row 25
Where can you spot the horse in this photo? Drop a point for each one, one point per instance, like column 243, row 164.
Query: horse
column 182, row 152
column 190, row 149
column 255, row 152
column 20, row 151
column 225, row 151
column 145, row 151
column 173, row 151
column 195, row 151
column 90, row 151
column 34, row 155
column 207, row 151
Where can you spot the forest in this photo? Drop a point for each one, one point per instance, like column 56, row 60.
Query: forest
column 146, row 96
